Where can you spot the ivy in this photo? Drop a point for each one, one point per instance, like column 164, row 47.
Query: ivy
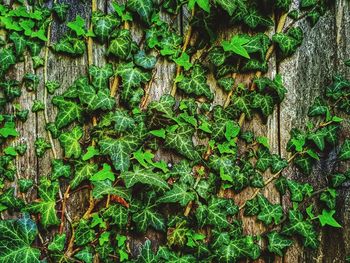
column 113, row 140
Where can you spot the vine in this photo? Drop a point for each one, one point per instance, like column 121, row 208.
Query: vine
column 110, row 133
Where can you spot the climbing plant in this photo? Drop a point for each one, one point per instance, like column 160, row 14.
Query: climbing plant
column 110, row 133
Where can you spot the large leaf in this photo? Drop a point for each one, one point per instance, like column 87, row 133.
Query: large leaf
column 196, row 83
column 101, row 75
column 268, row 212
column 68, row 112
column 70, row 142
column 277, row 243
column 179, row 193
column 16, row 237
column 179, row 138
column 144, row 8
column 344, row 153
column 46, row 206
column 143, row 176
column 83, row 172
column 145, row 216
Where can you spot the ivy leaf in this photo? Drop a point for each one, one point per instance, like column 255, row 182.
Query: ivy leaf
column 264, row 160
column 143, row 176
column 105, row 173
column 16, row 238
column 277, row 163
column 60, row 10
column 263, row 103
column 85, row 255
column 100, row 75
column 143, row 8
column 184, row 61
column 297, row 225
column 179, row 193
column 318, row 108
column 59, row 169
column 299, row 190
column 196, row 83
column 132, row 77
column 277, row 243
column 41, row 146
column 179, row 138
column 83, row 233
column 344, row 153
column 91, row 152
column 103, row 25
column 326, row 218
column 204, row 4
column 269, row 212
column 25, row 184
column 236, row 45
column 226, row 83
column 287, row 44
column 145, row 216
column 78, row 26
column 144, row 61
column 118, row 216
column 308, row 3
column 228, row 5
column 7, row 59
column 253, row 19
column 119, row 150
column 70, row 46
column 68, row 112
column 57, row 243
column 46, row 206
column 70, row 142
column 120, row 46
column 239, row 248
column 318, row 138
column 122, row 121
column 304, row 163
column 82, row 172
column 105, row 187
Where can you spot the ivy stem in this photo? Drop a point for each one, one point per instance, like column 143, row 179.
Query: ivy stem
column 64, row 203
column 147, row 90
column 190, row 203
column 184, row 47
column 115, row 83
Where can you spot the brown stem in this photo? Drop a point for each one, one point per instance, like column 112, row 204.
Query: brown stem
column 64, row 203
column 184, row 47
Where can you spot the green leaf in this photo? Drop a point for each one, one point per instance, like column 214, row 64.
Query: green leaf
column 287, row 44
column 268, row 212
column 103, row 25
column 7, row 59
column 344, row 153
column 143, row 176
column 180, row 193
column 85, row 255
column 236, row 45
column 57, row 243
column 8, row 130
column 105, row 187
column 318, row 108
column 144, row 61
column 16, row 238
column 184, row 61
column 143, row 8
column 118, row 216
column 60, row 10
column 83, row 233
column 308, row 3
column 196, row 83
column 41, row 146
column 82, row 172
column 119, row 150
column 59, row 169
column 70, row 142
column 326, row 218
column 318, row 138
column 51, row 86
column 297, row 225
column 100, row 75
column 145, row 216
column 46, row 206
column 277, row 243
column 105, row 173
column 228, row 5
column 179, row 138
column 158, row 133
column 78, row 26
column 204, row 4
column 25, row 185
column 123, row 122
column 264, row 103
column 91, row 152
column 68, row 112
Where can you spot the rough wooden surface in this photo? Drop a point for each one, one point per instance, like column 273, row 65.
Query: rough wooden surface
column 305, row 74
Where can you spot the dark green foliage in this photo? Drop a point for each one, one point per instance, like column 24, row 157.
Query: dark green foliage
column 113, row 140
